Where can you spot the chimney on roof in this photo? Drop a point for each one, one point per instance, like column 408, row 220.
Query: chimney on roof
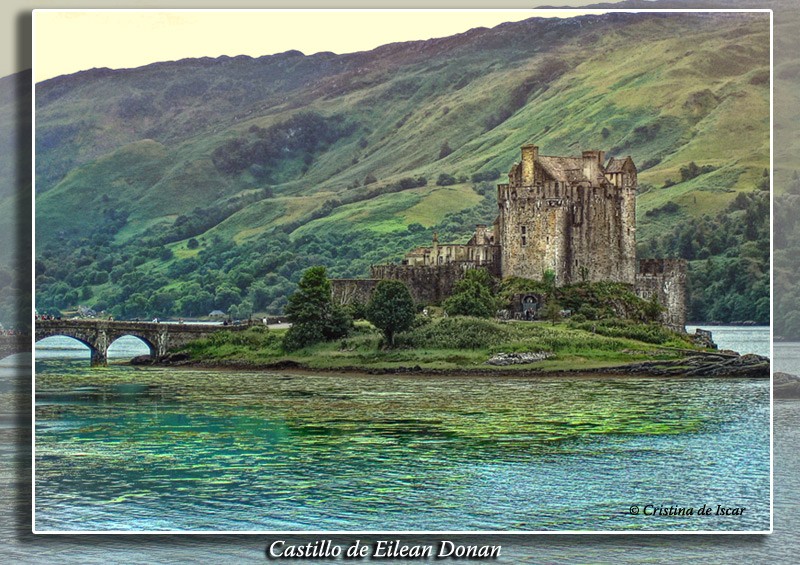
column 529, row 155
column 592, row 163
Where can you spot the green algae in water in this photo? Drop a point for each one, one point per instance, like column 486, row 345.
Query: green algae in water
column 271, row 451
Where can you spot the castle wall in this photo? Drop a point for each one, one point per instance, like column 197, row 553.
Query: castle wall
column 349, row 291
column 666, row 278
column 533, row 220
column 578, row 231
column 428, row 284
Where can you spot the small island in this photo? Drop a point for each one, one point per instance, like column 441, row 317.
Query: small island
column 391, row 335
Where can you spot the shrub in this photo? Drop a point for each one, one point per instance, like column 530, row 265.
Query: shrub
column 648, row 333
column 552, row 311
column 692, row 170
column 357, row 310
column 445, row 180
column 485, row 176
column 472, row 296
column 457, row 332
column 668, row 208
column 649, row 163
column 444, row 150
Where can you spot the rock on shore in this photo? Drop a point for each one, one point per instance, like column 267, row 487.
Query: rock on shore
column 505, row 359
column 705, row 365
column 785, row 385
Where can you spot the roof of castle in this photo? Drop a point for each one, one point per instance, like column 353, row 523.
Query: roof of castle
column 563, row 169
column 616, row 165
column 570, row 169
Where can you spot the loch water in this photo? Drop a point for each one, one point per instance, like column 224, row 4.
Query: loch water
column 126, row 448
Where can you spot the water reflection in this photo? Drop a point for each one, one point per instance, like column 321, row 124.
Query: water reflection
column 150, row 448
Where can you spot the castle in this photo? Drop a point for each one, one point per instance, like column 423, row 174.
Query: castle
column 574, row 217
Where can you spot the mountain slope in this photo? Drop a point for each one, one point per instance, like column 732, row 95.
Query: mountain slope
column 177, row 162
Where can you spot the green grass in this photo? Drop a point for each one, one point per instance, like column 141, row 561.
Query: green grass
column 380, row 214
column 433, row 206
column 449, row 343
column 254, row 219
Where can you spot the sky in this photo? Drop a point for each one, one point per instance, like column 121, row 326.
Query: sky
column 65, row 42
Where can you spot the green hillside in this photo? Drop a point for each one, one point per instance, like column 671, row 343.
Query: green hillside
column 180, row 187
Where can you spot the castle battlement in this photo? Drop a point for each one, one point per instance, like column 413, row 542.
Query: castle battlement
column 655, row 267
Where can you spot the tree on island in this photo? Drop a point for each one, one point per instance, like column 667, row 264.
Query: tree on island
column 391, row 308
column 552, row 310
column 313, row 314
column 472, row 296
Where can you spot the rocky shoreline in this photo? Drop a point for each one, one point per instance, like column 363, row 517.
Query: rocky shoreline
column 706, row 364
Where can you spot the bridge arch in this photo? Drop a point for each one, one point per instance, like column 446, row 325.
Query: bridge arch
column 94, row 353
column 142, row 337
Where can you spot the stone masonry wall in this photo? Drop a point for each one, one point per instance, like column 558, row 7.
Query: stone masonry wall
column 428, row 284
column 349, row 291
column 666, row 278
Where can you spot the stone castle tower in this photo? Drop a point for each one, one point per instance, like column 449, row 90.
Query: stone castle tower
column 574, row 216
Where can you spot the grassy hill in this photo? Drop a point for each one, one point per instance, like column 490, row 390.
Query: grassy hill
column 226, row 177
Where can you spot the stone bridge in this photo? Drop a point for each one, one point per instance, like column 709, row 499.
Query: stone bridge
column 98, row 335
column 11, row 344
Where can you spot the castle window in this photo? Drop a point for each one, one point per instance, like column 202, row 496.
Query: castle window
column 524, row 230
